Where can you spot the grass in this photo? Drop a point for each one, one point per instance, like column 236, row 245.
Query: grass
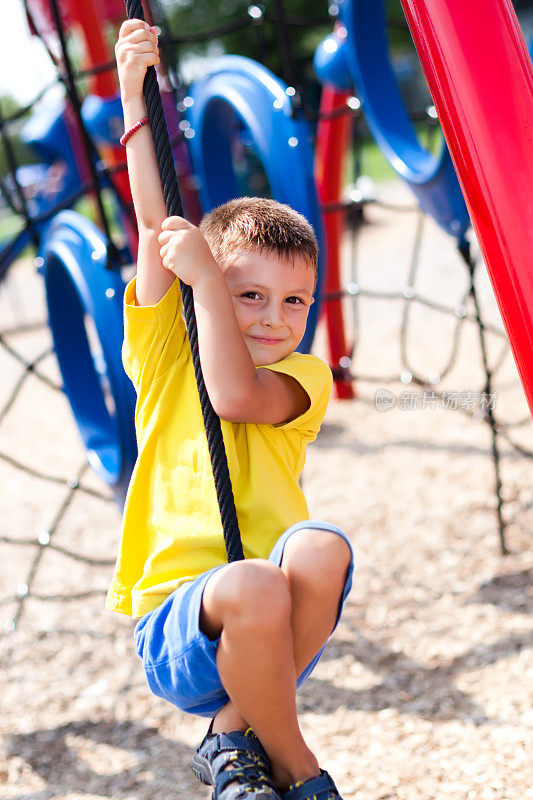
column 375, row 165
column 10, row 225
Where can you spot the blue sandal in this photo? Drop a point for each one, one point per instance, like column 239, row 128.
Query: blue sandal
column 320, row 788
column 236, row 765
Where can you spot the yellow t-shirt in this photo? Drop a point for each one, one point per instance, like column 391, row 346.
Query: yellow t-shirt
column 171, row 528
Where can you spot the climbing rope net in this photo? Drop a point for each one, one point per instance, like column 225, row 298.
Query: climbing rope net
column 364, row 208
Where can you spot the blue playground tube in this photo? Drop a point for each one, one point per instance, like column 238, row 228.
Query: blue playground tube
column 237, row 91
column 364, row 52
column 85, row 315
column 48, row 132
column 103, row 118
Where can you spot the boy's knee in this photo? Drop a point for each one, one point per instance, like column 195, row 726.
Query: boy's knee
column 256, row 593
column 311, row 553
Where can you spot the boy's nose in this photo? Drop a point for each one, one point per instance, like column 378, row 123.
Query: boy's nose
column 272, row 317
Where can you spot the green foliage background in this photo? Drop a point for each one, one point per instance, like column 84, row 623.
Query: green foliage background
column 188, row 17
column 22, row 154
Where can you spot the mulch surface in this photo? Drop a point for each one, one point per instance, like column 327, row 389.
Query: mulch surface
column 425, row 690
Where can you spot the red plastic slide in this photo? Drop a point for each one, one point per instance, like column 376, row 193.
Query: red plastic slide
column 481, row 78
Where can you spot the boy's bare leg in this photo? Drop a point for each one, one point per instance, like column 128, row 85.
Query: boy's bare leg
column 309, row 557
column 248, row 604
column 315, row 564
column 294, row 618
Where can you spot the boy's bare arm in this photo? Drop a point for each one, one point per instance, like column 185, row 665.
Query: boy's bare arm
column 238, row 391
column 135, row 50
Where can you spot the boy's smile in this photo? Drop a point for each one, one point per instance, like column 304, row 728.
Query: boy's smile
column 271, row 297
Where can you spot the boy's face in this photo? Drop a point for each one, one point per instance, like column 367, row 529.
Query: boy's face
column 272, row 298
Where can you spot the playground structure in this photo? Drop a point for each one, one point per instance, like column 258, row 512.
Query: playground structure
column 239, row 104
column 493, row 185
column 425, row 691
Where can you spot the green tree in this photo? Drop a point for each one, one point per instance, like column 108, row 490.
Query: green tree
column 189, row 19
column 259, row 39
column 197, row 25
column 10, row 130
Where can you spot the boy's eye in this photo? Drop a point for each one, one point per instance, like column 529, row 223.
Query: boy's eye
column 294, row 300
column 250, row 295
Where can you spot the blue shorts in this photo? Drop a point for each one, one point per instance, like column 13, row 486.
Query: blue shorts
column 179, row 660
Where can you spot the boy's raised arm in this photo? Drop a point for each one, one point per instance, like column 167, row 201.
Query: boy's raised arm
column 238, row 391
column 136, row 49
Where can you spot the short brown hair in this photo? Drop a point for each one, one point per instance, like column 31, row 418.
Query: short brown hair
column 259, row 223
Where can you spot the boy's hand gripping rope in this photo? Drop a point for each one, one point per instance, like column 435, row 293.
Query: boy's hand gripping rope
column 169, row 184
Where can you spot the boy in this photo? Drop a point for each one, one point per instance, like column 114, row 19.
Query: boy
column 228, row 641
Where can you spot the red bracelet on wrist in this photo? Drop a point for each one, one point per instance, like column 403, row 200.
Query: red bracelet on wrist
column 126, row 136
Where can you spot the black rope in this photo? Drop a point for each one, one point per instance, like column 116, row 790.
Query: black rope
column 169, row 183
column 244, row 21
column 284, row 45
column 11, row 161
column 96, row 166
column 92, row 154
column 464, row 249
column 29, row 366
column 287, row 64
column 72, row 488
column 10, row 201
column 229, row 27
column 6, row 255
column 502, row 431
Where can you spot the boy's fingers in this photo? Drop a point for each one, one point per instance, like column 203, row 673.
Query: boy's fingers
column 174, row 223
column 140, row 36
column 164, row 254
column 130, row 25
column 142, row 48
column 165, row 238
